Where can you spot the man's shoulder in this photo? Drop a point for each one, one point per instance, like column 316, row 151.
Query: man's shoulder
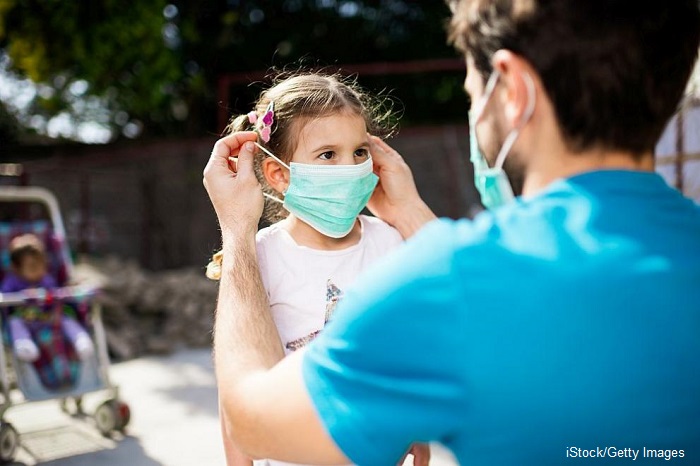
column 429, row 255
column 444, row 237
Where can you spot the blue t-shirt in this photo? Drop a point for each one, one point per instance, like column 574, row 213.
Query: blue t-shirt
column 569, row 320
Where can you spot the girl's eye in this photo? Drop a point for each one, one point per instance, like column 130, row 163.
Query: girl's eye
column 326, row 155
column 361, row 153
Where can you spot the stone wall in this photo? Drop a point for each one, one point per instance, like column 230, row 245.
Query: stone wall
column 150, row 312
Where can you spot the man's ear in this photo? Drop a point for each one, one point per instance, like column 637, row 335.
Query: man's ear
column 275, row 175
column 516, row 93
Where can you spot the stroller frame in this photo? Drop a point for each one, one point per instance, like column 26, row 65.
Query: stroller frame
column 111, row 415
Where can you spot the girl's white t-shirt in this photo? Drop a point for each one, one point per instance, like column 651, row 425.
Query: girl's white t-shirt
column 304, row 285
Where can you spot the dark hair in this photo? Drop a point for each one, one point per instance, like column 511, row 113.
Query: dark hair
column 301, row 96
column 615, row 70
column 24, row 246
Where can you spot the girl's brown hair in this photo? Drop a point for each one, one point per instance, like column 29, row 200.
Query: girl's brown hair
column 298, row 98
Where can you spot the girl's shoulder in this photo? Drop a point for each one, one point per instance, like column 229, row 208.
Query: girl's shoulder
column 264, row 234
column 374, row 228
column 270, row 245
column 270, row 235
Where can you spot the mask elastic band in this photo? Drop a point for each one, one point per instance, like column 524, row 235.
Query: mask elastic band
column 513, row 136
column 272, row 155
column 488, row 90
column 273, row 198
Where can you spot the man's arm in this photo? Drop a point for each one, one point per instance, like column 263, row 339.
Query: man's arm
column 234, row 456
column 264, row 405
column 265, row 409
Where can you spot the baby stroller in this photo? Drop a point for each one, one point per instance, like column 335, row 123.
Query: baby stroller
column 58, row 373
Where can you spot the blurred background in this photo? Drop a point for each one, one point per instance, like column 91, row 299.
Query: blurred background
column 115, row 106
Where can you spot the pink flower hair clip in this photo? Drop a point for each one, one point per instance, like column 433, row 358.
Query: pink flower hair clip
column 263, row 125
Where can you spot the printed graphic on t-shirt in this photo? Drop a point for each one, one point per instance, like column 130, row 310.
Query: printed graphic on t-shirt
column 333, row 295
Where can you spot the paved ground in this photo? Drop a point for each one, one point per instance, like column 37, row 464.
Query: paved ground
column 174, row 420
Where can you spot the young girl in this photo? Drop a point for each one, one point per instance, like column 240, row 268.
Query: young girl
column 316, row 171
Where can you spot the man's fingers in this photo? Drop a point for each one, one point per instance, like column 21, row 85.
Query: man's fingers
column 233, row 164
column 421, row 454
column 229, row 146
column 403, row 459
column 377, row 150
column 244, row 164
column 382, row 148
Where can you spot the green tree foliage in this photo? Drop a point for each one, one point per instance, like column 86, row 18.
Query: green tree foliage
column 117, row 49
column 157, row 63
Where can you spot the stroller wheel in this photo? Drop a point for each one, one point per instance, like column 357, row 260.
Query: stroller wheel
column 123, row 415
column 112, row 415
column 106, row 417
column 9, row 441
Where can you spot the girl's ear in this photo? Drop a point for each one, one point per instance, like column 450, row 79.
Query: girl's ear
column 275, row 175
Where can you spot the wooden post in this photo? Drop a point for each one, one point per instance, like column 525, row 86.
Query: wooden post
column 680, row 149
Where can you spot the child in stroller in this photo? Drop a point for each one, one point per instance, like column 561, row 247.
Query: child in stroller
column 38, row 291
column 29, row 271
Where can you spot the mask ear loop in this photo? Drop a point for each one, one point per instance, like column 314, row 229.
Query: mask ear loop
column 488, row 90
column 272, row 198
column 272, row 155
column 513, row 136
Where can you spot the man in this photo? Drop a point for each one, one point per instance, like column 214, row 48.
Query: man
column 563, row 324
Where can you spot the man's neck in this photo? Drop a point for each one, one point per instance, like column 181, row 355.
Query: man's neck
column 566, row 164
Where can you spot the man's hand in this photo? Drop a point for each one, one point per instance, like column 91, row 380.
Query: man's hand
column 396, row 199
column 421, row 454
column 231, row 183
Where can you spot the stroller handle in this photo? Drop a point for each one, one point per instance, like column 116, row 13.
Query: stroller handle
column 42, row 295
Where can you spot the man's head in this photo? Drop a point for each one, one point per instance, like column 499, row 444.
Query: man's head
column 613, row 71
column 28, row 258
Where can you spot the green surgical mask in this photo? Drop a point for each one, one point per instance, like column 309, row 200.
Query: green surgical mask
column 327, row 197
column 492, row 183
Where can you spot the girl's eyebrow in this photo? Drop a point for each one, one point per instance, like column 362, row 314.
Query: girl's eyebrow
column 363, row 144
column 325, row 147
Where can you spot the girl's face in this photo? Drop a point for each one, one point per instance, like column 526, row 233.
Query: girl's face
column 339, row 139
